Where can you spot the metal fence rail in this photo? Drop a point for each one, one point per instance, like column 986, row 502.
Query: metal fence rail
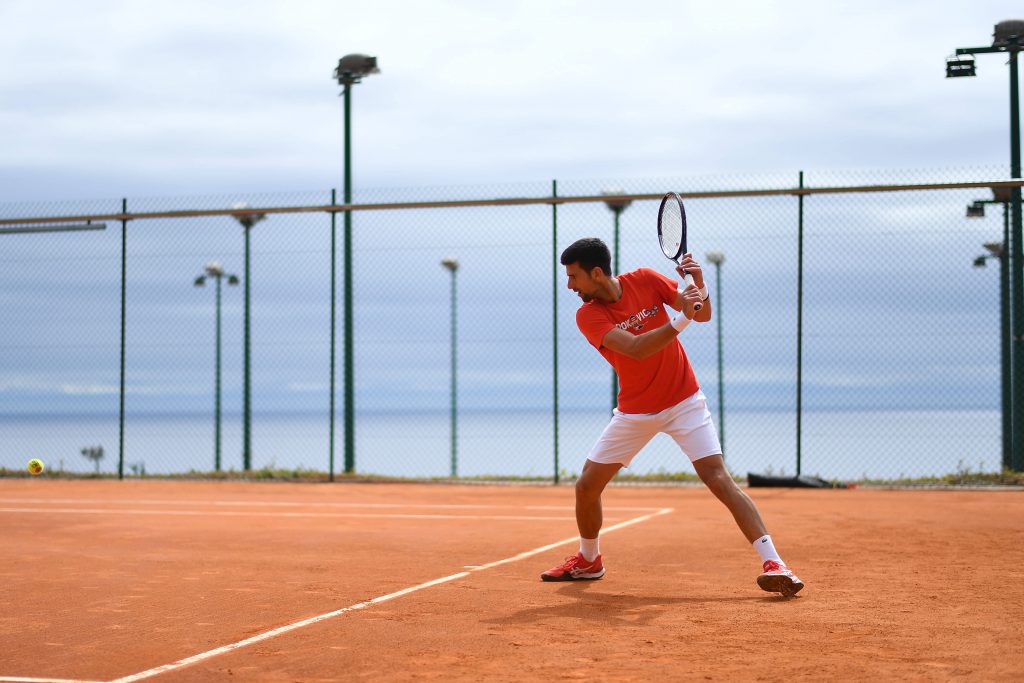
column 509, row 201
column 856, row 341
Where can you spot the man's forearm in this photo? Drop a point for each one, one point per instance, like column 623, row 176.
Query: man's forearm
column 649, row 343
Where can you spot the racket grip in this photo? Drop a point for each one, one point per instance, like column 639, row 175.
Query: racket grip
column 689, row 281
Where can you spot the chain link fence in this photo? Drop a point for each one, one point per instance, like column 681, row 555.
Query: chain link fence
column 899, row 355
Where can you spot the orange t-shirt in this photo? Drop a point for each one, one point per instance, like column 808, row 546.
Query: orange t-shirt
column 659, row 381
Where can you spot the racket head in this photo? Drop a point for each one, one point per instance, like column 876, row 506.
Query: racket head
column 672, row 226
column 672, row 231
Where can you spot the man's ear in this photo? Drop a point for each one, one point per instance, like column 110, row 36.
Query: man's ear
column 597, row 272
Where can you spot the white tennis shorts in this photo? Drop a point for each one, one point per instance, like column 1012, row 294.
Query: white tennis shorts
column 688, row 422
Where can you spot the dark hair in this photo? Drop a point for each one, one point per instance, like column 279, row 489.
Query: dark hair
column 590, row 253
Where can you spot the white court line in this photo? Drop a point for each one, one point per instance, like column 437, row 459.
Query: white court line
column 285, row 503
column 276, row 514
column 17, row 679
column 181, row 663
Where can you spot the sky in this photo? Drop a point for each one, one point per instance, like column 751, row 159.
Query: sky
column 119, row 98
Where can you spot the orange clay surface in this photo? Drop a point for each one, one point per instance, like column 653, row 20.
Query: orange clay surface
column 104, row 580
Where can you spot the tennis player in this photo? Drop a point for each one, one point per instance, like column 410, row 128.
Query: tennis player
column 624, row 319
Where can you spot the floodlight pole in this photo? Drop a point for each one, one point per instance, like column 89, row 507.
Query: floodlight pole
column 1013, row 44
column 1004, row 340
column 616, row 206
column 350, row 70
column 247, row 371
column 247, row 221
column 1005, row 350
column 214, row 270
column 347, row 317
column 452, row 264
column 1001, row 251
column 216, row 383
column 717, row 258
column 1018, row 273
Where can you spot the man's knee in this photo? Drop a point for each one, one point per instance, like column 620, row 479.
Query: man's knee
column 713, row 473
column 587, row 488
column 594, row 478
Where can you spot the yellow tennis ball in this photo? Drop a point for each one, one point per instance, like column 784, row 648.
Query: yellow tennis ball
column 35, row 466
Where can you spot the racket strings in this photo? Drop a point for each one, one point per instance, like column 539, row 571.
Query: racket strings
column 670, row 224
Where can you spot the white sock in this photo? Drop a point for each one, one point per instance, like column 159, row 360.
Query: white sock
column 766, row 549
column 590, row 548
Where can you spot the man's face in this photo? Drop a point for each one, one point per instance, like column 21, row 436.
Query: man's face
column 580, row 282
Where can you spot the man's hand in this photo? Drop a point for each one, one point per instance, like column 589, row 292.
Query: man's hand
column 688, row 297
column 689, row 265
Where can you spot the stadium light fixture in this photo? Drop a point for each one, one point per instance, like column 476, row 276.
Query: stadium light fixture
column 1002, row 195
column 616, row 202
column 246, row 218
column 960, row 67
column 994, row 248
column 352, row 68
column 976, row 210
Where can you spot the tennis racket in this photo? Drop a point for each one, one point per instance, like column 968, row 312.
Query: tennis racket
column 672, row 232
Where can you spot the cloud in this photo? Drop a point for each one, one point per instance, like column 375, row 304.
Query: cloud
column 231, row 95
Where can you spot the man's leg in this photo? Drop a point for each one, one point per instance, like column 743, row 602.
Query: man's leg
column 586, row 564
column 712, row 472
column 620, row 441
column 777, row 578
column 589, row 486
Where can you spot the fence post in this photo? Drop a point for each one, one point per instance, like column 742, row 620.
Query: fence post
column 334, row 280
column 799, row 322
column 554, row 310
column 1017, row 263
column 124, row 272
column 1004, row 341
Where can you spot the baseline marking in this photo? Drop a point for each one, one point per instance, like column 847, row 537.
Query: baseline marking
column 288, row 503
column 257, row 513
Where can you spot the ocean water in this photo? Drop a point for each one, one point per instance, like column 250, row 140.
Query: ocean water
column 834, row 445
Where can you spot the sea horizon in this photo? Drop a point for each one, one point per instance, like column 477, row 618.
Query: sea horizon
column 514, row 443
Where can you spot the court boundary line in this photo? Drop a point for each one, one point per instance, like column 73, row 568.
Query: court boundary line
column 287, row 628
column 290, row 503
column 276, row 514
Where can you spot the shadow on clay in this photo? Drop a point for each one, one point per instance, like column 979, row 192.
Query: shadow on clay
column 587, row 601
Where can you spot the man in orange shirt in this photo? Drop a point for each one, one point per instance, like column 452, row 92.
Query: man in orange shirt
column 624, row 319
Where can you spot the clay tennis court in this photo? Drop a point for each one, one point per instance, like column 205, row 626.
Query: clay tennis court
column 219, row 581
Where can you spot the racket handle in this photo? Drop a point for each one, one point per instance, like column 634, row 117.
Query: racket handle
column 689, row 281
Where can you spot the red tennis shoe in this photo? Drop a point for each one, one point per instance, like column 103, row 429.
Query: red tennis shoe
column 575, row 568
column 778, row 578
